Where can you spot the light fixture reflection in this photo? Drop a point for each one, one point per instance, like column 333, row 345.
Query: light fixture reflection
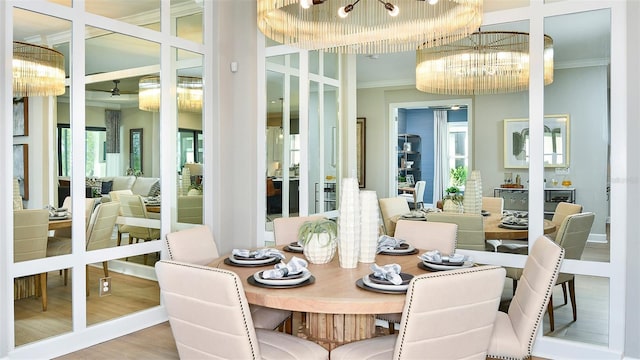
column 37, row 70
column 490, row 62
column 189, row 94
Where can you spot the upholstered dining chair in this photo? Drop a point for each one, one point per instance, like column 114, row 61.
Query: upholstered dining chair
column 428, row 235
column 133, row 206
column 196, row 245
column 572, row 237
column 60, row 242
column 99, row 230
column 416, row 199
column 286, row 229
column 563, row 210
column 515, row 331
column 115, row 196
column 190, row 209
column 470, row 228
column 390, row 207
column 493, row 205
column 447, row 315
column 213, row 322
column 424, row 235
column 30, row 230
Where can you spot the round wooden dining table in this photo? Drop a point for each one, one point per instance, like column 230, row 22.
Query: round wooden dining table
column 493, row 230
column 337, row 310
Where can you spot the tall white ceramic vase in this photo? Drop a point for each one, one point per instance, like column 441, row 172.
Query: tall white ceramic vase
column 473, row 194
column 369, row 220
column 349, row 224
column 186, row 180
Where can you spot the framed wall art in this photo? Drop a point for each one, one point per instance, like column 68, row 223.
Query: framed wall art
column 20, row 116
column 21, row 168
column 361, row 150
column 556, row 142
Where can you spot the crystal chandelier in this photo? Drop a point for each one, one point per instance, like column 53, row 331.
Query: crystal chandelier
column 37, row 70
column 189, row 94
column 368, row 26
column 491, row 62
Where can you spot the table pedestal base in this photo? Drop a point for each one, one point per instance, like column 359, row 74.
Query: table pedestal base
column 333, row 330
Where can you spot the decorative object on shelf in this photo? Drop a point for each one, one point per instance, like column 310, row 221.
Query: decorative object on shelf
column 349, row 224
column 367, row 27
column 369, row 226
column 37, row 70
column 189, row 93
column 195, row 189
column 486, row 62
column 319, row 240
column 452, row 202
column 472, row 202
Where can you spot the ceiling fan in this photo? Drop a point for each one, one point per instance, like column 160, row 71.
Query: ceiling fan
column 115, row 91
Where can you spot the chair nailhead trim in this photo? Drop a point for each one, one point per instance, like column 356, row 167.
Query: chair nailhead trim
column 429, row 276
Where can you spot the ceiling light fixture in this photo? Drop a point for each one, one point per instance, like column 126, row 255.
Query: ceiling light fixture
column 37, row 70
column 189, row 94
column 491, row 62
column 371, row 28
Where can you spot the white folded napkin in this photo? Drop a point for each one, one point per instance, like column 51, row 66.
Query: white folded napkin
column 389, row 272
column 295, row 266
column 259, row 254
column 437, row 257
column 386, row 243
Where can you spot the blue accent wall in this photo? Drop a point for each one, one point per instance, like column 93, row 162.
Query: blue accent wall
column 420, row 122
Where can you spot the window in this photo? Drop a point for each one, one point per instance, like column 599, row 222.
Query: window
column 190, row 147
column 458, row 145
column 95, row 143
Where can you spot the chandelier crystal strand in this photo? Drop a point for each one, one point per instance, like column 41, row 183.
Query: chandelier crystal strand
column 368, row 28
column 37, row 70
column 483, row 63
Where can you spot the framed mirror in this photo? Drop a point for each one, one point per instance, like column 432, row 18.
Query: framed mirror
column 556, row 142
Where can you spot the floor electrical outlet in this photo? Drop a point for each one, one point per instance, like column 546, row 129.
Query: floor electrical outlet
column 105, row 286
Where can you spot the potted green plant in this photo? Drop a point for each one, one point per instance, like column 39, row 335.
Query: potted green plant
column 453, row 200
column 319, row 240
column 458, row 176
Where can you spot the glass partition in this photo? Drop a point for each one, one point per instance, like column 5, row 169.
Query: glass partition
column 43, row 297
column 581, row 71
column 190, row 141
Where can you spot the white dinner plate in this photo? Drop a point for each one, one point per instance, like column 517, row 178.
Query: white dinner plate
column 294, row 281
column 514, row 226
column 369, row 283
column 400, row 251
column 467, row 264
column 251, row 261
column 58, row 217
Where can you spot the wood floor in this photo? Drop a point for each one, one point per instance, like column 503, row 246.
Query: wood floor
column 157, row 342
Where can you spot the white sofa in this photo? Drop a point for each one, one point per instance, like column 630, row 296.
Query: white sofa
column 143, row 186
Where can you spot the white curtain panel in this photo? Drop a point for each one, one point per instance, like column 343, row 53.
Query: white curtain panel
column 441, row 160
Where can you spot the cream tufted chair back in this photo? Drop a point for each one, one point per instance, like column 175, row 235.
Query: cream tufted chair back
column 195, row 245
column 390, row 207
column 286, row 229
column 515, row 331
column 214, row 322
column 428, row 235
